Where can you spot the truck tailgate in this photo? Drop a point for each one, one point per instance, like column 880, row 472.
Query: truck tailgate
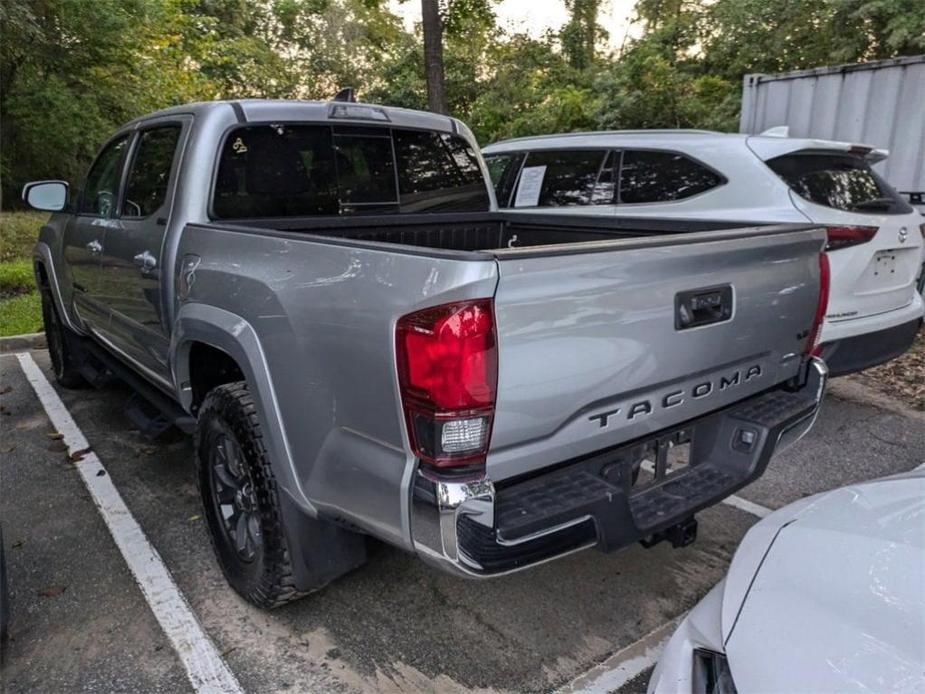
column 606, row 342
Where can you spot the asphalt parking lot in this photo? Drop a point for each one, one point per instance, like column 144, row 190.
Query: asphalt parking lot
column 81, row 623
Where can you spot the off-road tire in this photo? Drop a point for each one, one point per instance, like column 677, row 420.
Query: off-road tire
column 267, row 579
column 60, row 344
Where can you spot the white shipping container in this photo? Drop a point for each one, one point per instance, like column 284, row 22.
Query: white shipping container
column 880, row 103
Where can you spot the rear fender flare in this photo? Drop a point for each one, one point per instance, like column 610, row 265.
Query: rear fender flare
column 236, row 337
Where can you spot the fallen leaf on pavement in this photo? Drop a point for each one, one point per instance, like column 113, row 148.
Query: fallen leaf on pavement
column 52, row 591
column 55, row 436
column 77, row 456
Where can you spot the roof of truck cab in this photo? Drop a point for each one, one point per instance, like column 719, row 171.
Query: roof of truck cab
column 289, row 110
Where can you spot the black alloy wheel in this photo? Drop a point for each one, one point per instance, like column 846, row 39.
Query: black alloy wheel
column 235, row 498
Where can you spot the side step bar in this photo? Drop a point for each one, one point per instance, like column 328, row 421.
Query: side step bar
column 148, row 408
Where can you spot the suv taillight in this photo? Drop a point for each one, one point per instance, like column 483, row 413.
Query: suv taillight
column 845, row 236
column 813, row 348
column 448, row 375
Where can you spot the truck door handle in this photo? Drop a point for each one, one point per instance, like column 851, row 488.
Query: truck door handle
column 95, row 247
column 145, row 261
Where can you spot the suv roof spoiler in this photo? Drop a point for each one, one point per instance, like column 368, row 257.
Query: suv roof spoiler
column 776, row 141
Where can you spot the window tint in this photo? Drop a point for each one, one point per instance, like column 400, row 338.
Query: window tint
column 605, row 189
column 306, row 170
column 365, row 171
column 149, row 174
column 662, row 176
column 437, row 171
column 842, row 181
column 277, row 171
column 568, row 178
column 102, row 186
column 503, row 170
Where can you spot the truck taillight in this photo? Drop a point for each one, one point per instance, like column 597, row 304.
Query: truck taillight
column 448, row 375
column 813, row 348
column 845, row 236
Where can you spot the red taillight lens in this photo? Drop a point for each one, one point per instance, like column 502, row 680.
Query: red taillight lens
column 845, row 236
column 448, row 374
column 813, row 348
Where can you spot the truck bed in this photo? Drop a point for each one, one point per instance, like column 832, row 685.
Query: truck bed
column 489, row 231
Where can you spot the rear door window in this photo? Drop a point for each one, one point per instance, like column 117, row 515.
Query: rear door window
column 556, row 178
column 149, row 174
column 312, row 170
column 841, row 181
column 655, row 176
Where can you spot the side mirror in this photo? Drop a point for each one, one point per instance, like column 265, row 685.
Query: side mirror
column 48, row 196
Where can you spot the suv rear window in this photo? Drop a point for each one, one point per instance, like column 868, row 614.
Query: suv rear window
column 310, row 170
column 842, row 181
column 648, row 176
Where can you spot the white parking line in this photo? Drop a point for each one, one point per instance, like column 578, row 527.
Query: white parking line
column 207, row 671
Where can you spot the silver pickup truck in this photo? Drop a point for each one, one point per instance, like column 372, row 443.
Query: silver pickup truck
column 325, row 296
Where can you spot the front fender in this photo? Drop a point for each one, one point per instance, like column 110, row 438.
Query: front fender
column 42, row 254
column 233, row 335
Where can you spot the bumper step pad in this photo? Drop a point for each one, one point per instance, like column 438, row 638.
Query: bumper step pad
column 594, row 500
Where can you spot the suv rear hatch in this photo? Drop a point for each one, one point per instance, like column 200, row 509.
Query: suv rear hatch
column 875, row 243
column 604, row 342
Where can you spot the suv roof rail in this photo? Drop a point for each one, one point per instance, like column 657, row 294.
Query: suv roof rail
column 653, row 131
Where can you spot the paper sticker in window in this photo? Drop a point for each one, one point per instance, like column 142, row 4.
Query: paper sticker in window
column 531, row 182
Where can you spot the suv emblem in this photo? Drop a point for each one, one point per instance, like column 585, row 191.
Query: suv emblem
column 903, row 233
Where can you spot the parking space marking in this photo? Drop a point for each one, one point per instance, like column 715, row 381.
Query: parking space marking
column 748, row 506
column 625, row 664
column 207, row 671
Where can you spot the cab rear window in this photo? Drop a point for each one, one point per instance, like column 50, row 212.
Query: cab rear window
column 314, row 170
column 841, row 181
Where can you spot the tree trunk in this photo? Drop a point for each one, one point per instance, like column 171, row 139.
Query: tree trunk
column 433, row 56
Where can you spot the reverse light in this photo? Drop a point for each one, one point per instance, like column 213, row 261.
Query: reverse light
column 448, row 374
column 846, row 236
column 813, row 348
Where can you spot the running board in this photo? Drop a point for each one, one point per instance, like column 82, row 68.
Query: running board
column 151, row 410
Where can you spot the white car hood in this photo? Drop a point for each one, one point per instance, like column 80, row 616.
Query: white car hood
column 829, row 594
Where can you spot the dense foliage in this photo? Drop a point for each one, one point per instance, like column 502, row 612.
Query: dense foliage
column 73, row 70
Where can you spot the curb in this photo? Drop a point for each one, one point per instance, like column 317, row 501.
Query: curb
column 17, row 343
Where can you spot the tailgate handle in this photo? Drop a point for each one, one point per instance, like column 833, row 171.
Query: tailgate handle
column 697, row 307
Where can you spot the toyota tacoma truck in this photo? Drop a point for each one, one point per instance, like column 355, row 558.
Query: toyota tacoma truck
column 326, row 297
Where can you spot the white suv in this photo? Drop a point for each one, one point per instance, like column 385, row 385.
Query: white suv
column 875, row 237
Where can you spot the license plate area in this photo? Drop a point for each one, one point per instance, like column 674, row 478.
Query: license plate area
column 884, row 263
column 889, row 269
column 663, row 458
